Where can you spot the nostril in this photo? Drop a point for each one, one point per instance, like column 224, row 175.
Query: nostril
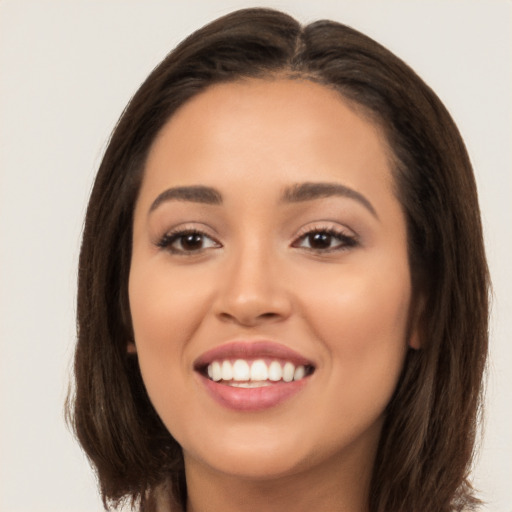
column 252, row 307
column 246, row 318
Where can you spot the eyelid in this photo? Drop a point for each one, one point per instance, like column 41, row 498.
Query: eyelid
column 187, row 226
column 329, row 226
column 347, row 237
column 164, row 241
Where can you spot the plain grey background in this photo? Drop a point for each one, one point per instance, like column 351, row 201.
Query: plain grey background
column 67, row 70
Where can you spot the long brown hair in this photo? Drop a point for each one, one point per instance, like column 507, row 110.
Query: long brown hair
column 428, row 437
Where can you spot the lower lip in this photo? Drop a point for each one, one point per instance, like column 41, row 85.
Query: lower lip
column 253, row 399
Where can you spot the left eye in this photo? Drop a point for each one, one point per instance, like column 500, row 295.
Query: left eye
column 187, row 242
column 325, row 240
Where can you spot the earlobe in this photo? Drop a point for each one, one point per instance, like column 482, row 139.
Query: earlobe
column 415, row 330
column 131, row 348
column 414, row 339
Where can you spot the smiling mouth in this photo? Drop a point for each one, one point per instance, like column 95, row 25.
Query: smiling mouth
column 253, row 376
column 254, row 373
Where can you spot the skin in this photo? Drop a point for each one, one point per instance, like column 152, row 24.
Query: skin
column 258, row 276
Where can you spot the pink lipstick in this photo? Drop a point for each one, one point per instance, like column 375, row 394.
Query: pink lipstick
column 252, row 376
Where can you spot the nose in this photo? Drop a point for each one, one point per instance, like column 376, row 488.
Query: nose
column 253, row 290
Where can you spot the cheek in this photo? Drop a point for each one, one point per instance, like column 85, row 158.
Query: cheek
column 364, row 315
column 163, row 306
column 166, row 312
column 361, row 318
column 363, row 329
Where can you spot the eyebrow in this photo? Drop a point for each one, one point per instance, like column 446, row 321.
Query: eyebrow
column 297, row 193
column 195, row 194
column 311, row 190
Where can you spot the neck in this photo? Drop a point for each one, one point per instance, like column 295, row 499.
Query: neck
column 341, row 486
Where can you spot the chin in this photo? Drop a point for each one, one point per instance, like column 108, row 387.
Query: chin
column 263, row 453
column 251, row 464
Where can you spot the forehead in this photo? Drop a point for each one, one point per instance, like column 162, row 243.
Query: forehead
column 280, row 129
column 312, row 105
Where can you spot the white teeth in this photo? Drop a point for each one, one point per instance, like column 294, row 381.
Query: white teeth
column 241, row 370
column 288, row 371
column 275, row 372
column 259, row 370
column 216, row 371
column 300, row 371
column 255, row 384
column 242, row 373
column 227, row 370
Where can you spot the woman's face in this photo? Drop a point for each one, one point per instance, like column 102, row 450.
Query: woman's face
column 269, row 287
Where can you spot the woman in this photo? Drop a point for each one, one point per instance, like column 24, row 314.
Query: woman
column 282, row 287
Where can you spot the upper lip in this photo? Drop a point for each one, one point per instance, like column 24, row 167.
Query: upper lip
column 251, row 350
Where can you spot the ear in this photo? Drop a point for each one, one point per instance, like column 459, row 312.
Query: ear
column 415, row 322
column 131, row 348
column 414, row 339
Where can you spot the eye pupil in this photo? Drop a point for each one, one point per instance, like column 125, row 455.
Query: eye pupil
column 319, row 240
column 192, row 241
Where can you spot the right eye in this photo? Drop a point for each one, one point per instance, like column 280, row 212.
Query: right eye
column 187, row 242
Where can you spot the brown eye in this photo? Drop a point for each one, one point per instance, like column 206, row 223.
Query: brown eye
column 187, row 242
column 325, row 241
column 191, row 242
column 319, row 240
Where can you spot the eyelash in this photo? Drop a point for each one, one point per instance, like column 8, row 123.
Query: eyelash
column 167, row 241
column 345, row 241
